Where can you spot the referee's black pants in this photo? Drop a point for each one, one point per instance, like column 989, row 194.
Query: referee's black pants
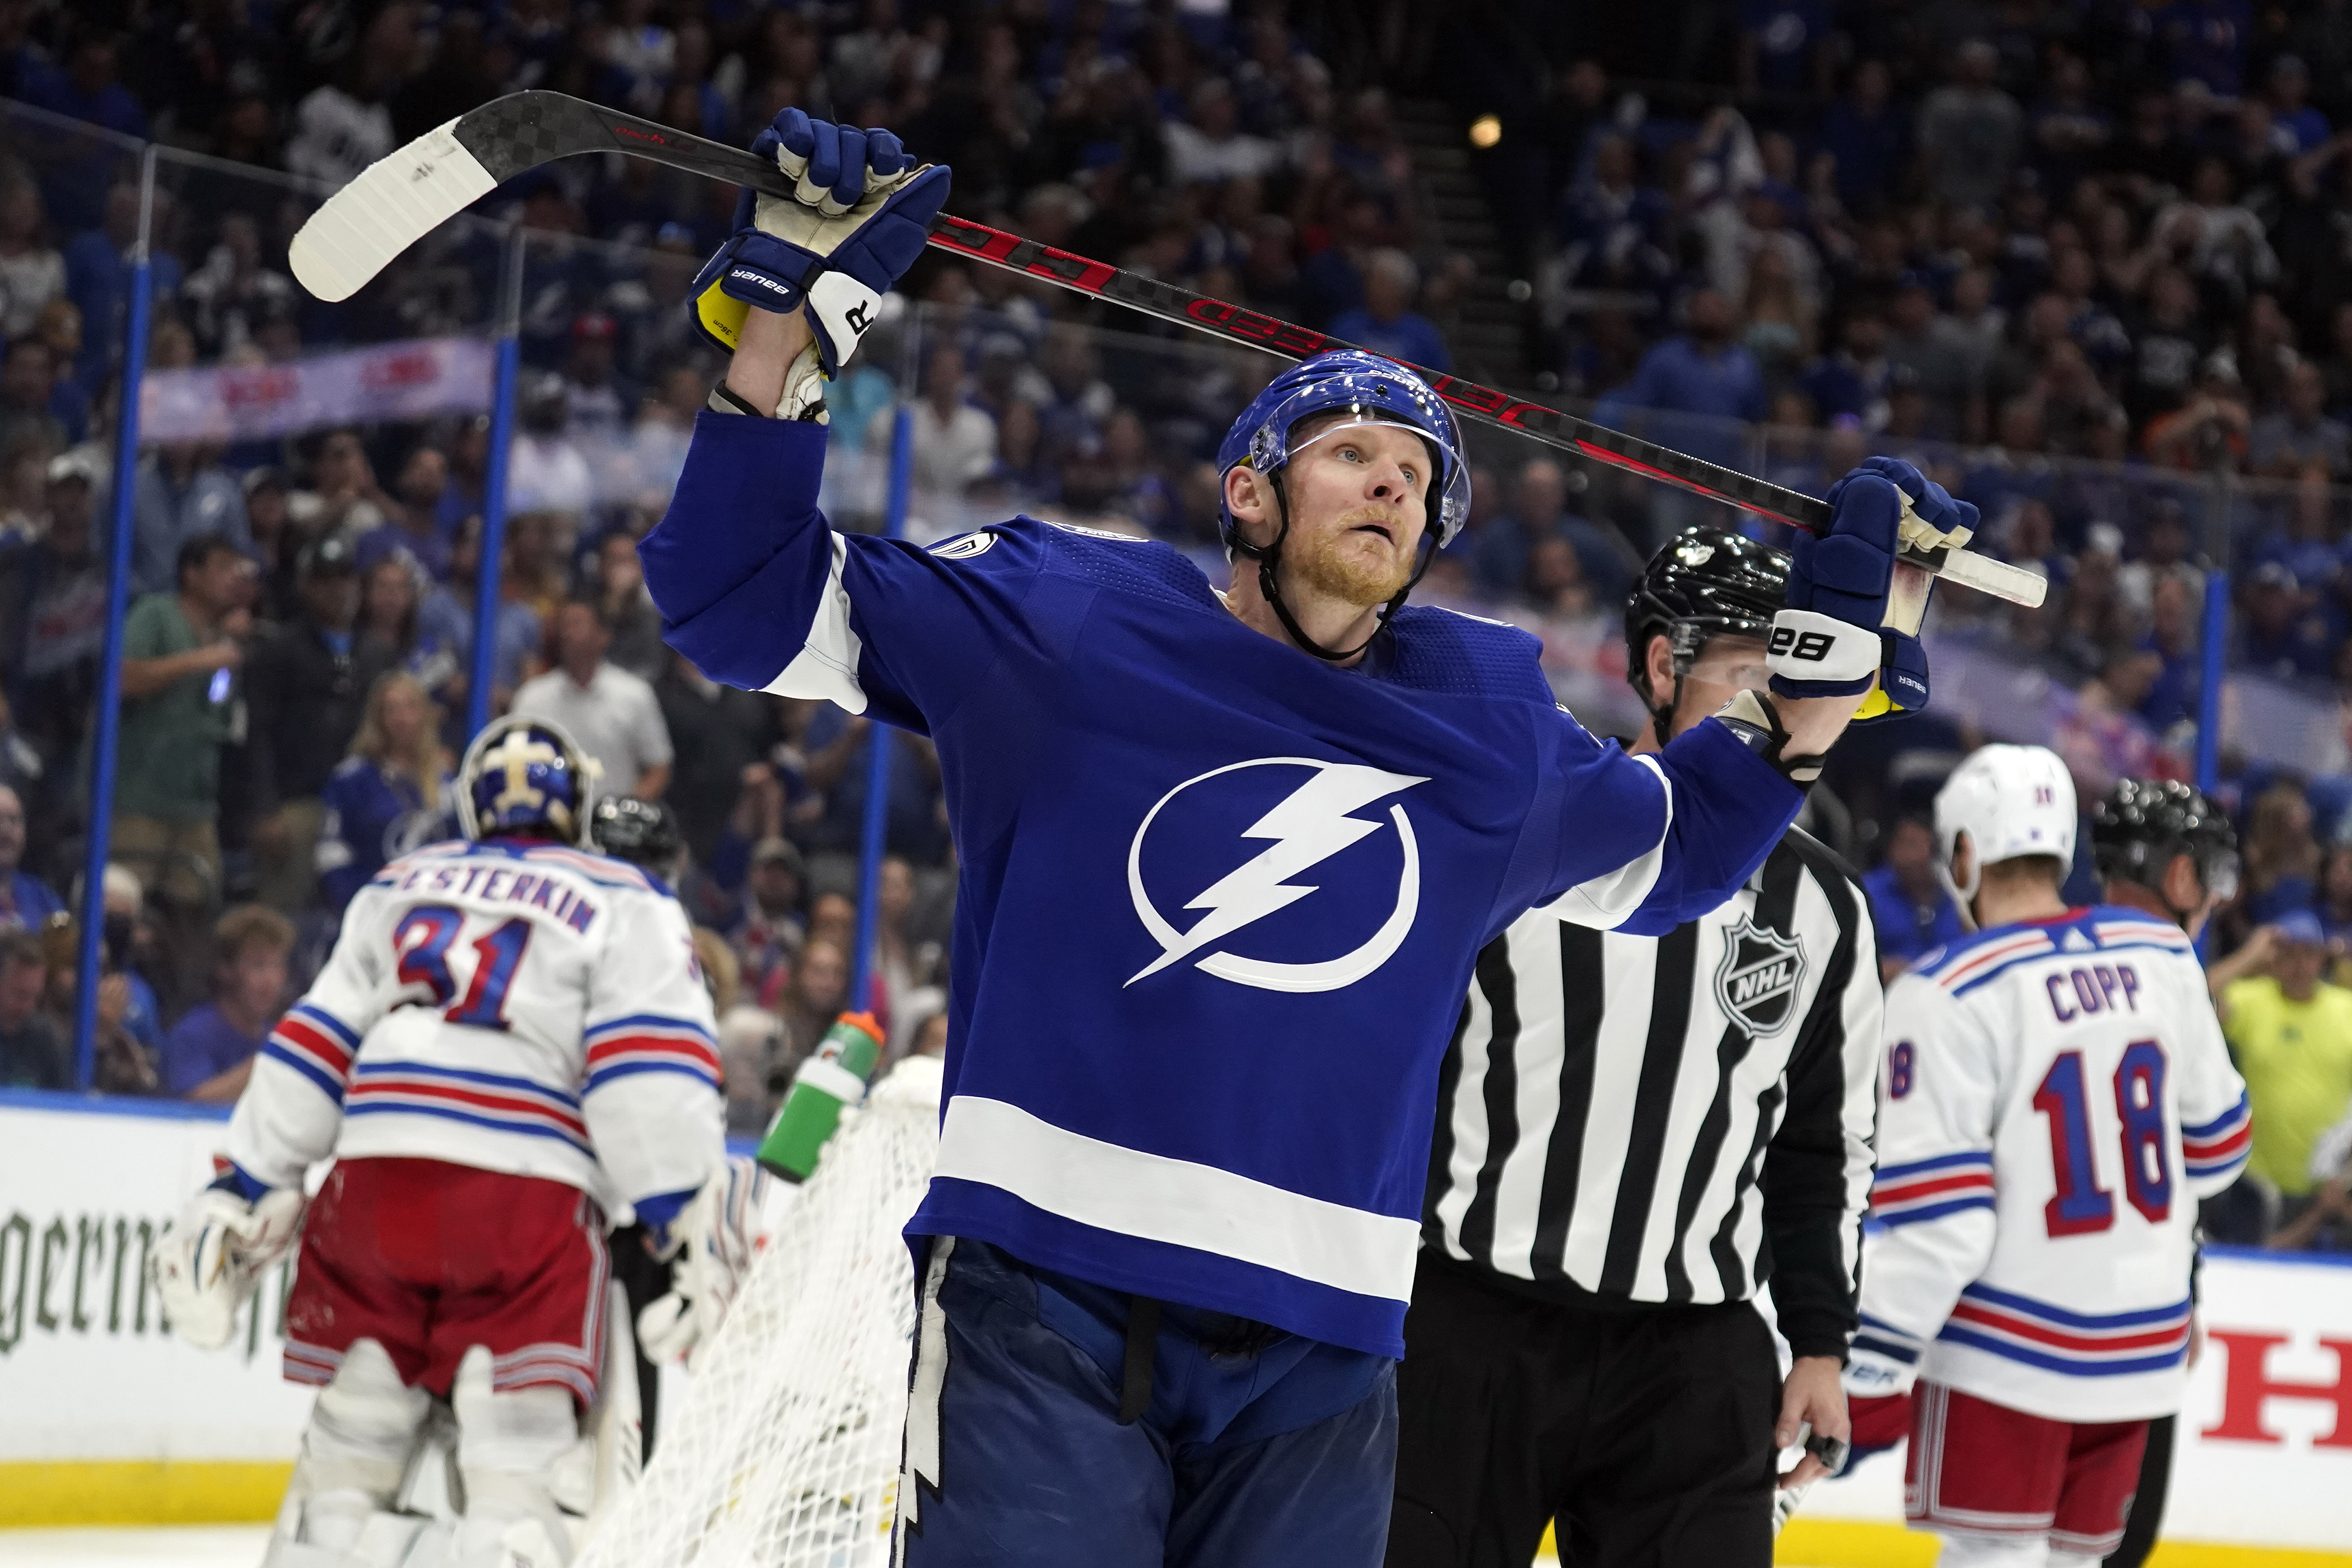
column 1647, row 1434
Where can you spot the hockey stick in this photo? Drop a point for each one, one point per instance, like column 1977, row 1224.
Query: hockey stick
column 399, row 199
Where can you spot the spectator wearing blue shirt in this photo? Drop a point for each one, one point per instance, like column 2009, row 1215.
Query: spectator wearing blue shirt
column 1909, row 908
column 414, row 525
column 87, row 90
column 1386, row 322
column 1700, row 375
column 1612, row 230
column 209, row 1053
column 128, row 936
column 2299, row 541
column 26, row 901
column 1869, row 137
column 2283, row 632
column 181, row 492
column 2071, row 132
column 1852, row 383
column 2291, row 110
column 2205, row 40
column 98, row 280
column 1539, row 512
column 391, row 794
column 1782, row 45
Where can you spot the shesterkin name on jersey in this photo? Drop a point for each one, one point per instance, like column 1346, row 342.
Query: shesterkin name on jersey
column 1962, row 966
column 461, row 870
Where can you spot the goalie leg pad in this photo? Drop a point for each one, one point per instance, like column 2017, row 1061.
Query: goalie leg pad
column 528, row 1475
column 355, row 1452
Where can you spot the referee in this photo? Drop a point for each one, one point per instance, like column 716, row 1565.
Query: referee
column 2164, row 849
column 1633, row 1134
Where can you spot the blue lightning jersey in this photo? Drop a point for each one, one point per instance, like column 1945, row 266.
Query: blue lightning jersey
column 1219, row 900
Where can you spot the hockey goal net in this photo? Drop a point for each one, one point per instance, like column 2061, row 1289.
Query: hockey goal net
column 784, row 1452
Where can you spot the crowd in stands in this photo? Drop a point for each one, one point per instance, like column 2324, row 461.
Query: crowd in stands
column 2082, row 261
column 299, row 652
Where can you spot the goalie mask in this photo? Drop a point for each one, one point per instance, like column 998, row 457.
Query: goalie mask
column 1372, row 390
column 526, row 776
column 1703, row 585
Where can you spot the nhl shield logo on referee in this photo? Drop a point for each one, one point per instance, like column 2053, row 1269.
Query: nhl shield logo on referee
column 1756, row 981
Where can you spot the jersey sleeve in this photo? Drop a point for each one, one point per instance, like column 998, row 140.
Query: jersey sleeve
column 1817, row 1168
column 1644, row 843
column 651, row 1096
column 762, row 593
column 1939, row 1099
column 2217, row 1122
column 287, row 1119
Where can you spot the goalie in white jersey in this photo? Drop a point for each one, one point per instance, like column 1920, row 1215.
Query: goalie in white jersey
column 2054, row 1100
column 510, row 1045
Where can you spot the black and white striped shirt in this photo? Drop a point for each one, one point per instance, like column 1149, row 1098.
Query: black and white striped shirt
column 1672, row 1119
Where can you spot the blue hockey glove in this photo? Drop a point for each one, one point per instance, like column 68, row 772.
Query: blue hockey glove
column 1854, row 611
column 856, row 221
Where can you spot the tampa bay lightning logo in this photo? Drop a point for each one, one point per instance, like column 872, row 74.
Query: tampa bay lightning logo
column 1310, row 825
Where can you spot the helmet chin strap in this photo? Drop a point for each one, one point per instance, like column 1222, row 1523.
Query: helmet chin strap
column 1269, row 557
column 1662, row 719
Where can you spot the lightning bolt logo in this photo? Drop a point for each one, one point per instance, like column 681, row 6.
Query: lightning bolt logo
column 1309, row 826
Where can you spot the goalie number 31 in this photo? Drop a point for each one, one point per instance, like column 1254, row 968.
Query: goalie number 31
column 422, row 942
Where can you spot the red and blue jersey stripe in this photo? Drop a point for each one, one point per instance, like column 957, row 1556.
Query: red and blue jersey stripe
column 1895, row 1345
column 2115, row 929
column 1930, row 1189
column 2075, row 1344
column 316, row 1044
column 495, row 1100
column 648, row 1042
column 1966, row 967
column 2220, row 1147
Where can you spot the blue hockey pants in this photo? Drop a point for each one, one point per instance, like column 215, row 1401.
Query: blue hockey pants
column 1254, row 1449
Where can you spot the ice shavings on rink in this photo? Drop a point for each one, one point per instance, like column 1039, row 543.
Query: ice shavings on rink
column 183, row 1545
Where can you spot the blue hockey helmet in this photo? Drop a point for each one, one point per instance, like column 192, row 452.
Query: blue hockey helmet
column 1350, row 380
column 523, row 775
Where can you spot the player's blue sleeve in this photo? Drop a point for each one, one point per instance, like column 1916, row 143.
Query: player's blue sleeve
column 761, row 592
column 1645, row 843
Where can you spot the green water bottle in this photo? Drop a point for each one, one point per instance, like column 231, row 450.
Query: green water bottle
column 834, row 1076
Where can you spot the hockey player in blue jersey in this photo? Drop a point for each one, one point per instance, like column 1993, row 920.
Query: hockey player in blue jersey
column 1228, row 859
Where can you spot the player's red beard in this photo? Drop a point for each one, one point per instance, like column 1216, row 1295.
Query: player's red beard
column 1341, row 562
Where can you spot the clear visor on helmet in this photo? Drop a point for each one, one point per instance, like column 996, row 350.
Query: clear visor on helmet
column 1726, row 658
column 2217, row 870
column 1445, row 493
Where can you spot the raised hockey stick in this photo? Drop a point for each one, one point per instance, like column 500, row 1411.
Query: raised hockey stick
column 399, row 199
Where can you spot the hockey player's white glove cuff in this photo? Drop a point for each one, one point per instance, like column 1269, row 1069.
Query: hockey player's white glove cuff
column 216, row 1253
column 716, row 1240
column 1872, row 1375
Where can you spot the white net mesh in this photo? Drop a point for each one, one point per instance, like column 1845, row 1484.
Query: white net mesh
column 785, row 1451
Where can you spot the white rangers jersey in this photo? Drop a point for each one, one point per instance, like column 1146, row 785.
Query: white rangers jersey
column 2055, row 1098
column 511, row 1005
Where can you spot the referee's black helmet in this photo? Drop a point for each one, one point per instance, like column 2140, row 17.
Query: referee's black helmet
column 1703, row 582
column 641, row 832
column 2140, row 824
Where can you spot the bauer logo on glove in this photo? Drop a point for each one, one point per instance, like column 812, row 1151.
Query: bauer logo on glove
column 859, row 214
